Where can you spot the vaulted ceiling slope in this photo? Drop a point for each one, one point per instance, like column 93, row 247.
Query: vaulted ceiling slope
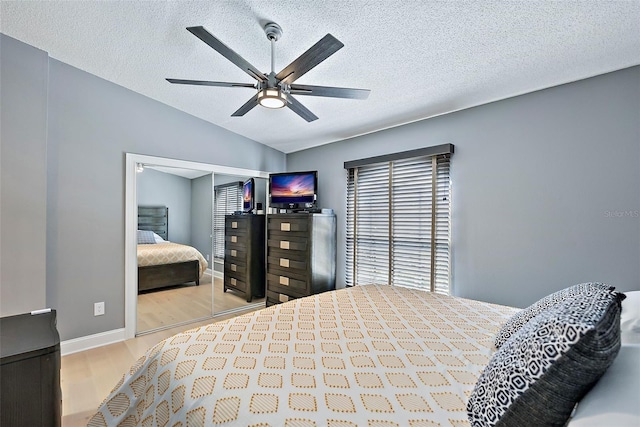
column 419, row 58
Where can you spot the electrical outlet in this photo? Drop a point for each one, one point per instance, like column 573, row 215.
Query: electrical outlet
column 98, row 309
column 207, row 257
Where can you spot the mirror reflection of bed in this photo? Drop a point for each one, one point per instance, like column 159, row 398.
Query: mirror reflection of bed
column 180, row 270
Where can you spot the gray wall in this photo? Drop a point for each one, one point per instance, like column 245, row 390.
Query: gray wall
column 157, row 188
column 546, row 187
column 23, row 182
column 201, row 215
column 91, row 124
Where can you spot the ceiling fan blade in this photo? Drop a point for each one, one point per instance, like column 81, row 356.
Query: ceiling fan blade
column 227, row 52
column 246, row 107
column 317, row 53
column 208, row 83
column 300, row 109
column 332, row 92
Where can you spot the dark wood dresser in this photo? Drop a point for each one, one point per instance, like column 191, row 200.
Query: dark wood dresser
column 30, row 371
column 301, row 255
column 244, row 250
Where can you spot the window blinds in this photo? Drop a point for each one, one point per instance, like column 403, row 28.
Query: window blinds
column 398, row 223
column 228, row 199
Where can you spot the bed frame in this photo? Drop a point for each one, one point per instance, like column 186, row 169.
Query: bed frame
column 156, row 219
column 162, row 276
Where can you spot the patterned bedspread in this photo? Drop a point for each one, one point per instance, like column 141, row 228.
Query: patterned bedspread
column 363, row 356
column 169, row 253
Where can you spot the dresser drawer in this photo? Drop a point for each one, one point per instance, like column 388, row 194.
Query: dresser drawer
column 286, row 282
column 237, row 235
column 274, row 297
column 235, row 238
column 235, row 255
column 291, row 273
column 241, row 225
column 286, row 263
column 238, row 246
column 235, row 283
column 235, row 268
column 292, row 255
column 287, row 225
column 288, row 242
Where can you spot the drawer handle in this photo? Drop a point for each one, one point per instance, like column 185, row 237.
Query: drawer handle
column 234, row 224
column 234, row 253
column 233, row 267
column 284, row 244
column 284, row 280
column 284, row 262
column 234, row 239
column 233, row 281
column 283, row 298
column 285, row 226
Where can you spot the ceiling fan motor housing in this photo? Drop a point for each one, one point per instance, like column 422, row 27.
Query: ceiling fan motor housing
column 273, row 31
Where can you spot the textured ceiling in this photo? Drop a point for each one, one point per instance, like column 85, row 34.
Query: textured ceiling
column 419, row 58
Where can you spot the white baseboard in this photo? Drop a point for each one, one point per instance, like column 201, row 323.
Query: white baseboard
column 91, row 341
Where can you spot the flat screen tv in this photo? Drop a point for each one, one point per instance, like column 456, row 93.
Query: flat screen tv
column 293, row 190
column 248, row 195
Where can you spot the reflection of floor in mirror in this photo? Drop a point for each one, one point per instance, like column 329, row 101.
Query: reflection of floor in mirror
column 183, row 303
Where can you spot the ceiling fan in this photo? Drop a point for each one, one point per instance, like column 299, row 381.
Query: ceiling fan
column 276, row 90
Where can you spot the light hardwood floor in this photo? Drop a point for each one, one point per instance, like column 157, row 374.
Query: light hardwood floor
column 87, row 377
column 181, row 304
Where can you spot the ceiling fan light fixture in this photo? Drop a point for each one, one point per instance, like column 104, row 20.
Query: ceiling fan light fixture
column 272, row 98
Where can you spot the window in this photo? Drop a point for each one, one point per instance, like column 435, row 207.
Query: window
column 398, row 220
column 228, row 199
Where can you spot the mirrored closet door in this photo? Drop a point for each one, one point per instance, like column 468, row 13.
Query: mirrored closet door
column 176, row 246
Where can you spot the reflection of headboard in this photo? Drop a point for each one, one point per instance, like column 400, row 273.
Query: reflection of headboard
column 154, row 218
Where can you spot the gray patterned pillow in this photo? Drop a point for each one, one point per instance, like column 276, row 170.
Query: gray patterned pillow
column 146, row 237
column 519, row 319
column 538, row 375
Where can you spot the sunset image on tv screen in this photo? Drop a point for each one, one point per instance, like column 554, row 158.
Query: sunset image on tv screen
column 292, row 188
column 247, row 193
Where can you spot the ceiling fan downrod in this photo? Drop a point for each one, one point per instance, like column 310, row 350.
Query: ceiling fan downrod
column 273, row 32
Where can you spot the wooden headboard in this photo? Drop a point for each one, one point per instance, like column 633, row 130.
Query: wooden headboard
column 154, row 218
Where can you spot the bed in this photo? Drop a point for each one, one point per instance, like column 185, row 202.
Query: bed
column 363, row 356
column 162, row 263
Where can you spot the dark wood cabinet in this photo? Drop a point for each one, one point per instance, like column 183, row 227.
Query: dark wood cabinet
column 30, row 371
column 301, row 255
column 244, row 254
